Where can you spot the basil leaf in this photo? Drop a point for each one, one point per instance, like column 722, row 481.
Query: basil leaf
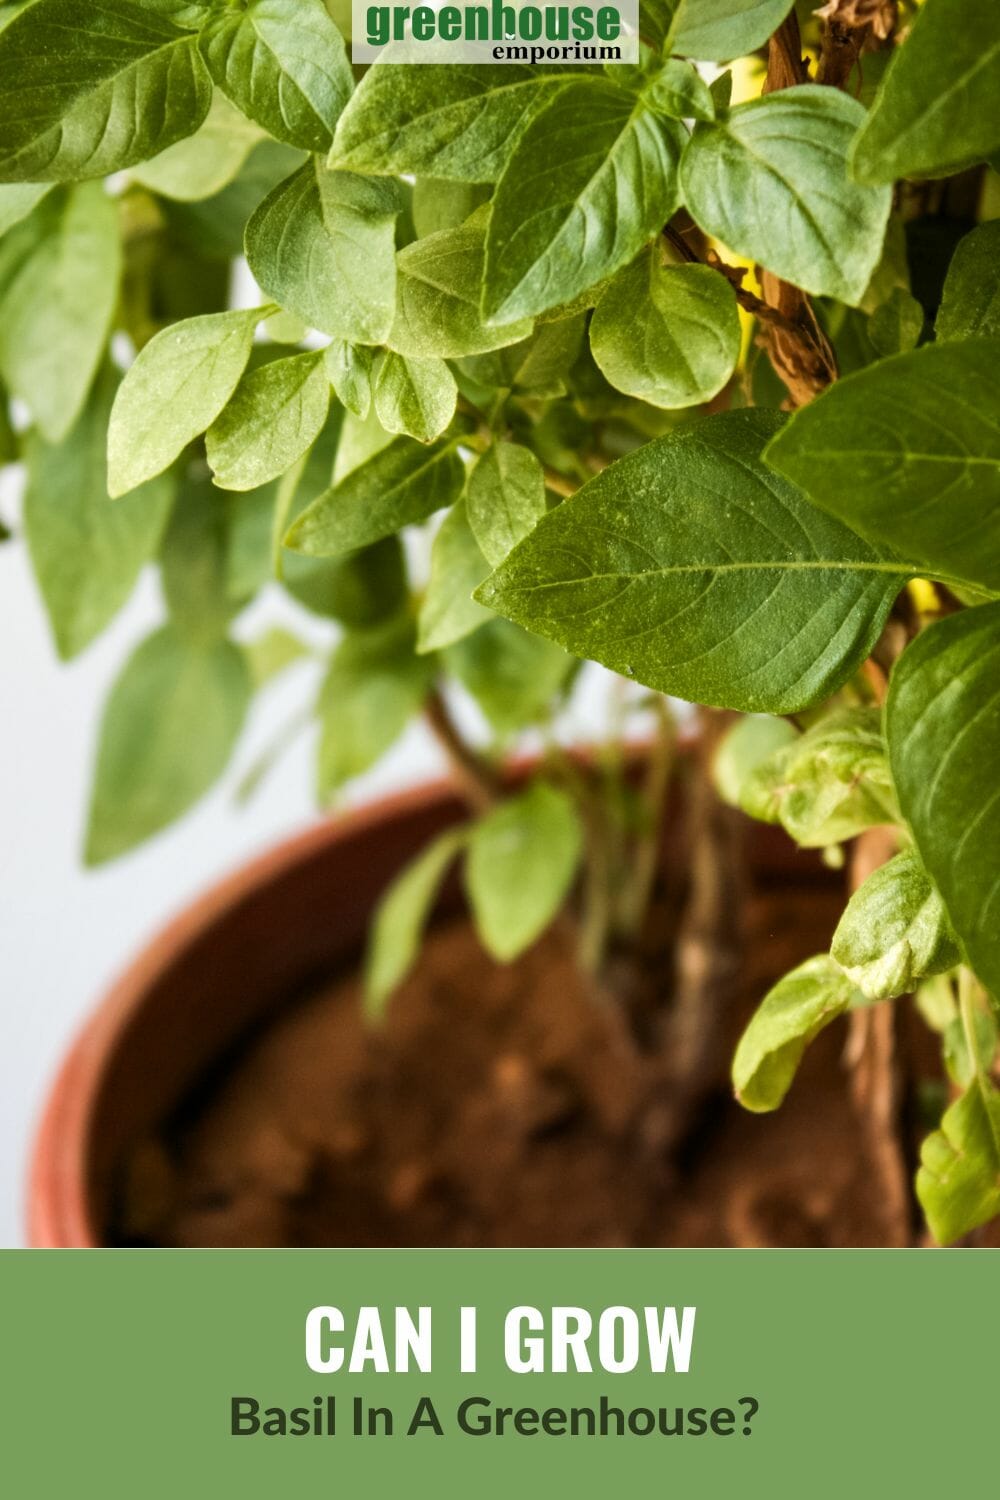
column 413, row 396
column 789, row 1017
column 178, row 385
column 935, row 110
column 907, row 452
column 782, row 161
column 678, row 90
column 506, row 498
column 18, row 199
column 513, row 676
column 828, row 784
column 323, row 245
column 401, row 917
column 894, row 931
column 521, row 862
column 438, row 288
column 374, row 684
column 204, row 163
column 59, row 274
column 283, row 62
column 194, row 560
column 168, row 730
column 400, row 485
column 943, row 729
column 448, row 611
column 591, row 178
column 90, row 89
column 276, row 413
column 958, row 1182
column 216, row 226
column 668, row 335
column 349, row 370
column 718, row 30
column 970, row 303
column 683, row 563
column 454, row 121
column 750, row 743
column 87, row 550
column 896, row 324
column 538, row 365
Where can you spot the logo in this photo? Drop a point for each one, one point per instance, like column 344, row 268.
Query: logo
column 502, row 31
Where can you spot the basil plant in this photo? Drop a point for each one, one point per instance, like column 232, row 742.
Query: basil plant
column 689, row 367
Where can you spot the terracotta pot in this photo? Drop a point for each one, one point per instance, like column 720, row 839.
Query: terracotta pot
column 285, row 920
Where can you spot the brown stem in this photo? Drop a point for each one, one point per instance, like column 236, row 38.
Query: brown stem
column 797, row 347
column 475, row 779
column 785, row 64
column 708, row 950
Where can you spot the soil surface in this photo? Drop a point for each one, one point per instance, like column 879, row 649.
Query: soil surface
column 501, row 1106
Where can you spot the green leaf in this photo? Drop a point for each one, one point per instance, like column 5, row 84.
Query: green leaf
column 448, row 611
column 323, row 245
column 204, row 163
column 194, row 560
column 216, row 226
column 413, row 396
column 521, row 862
column 249, row 541
column 349, row 370
column 828, row 784
column 87, row 551
column 668, row 335
column 438, row 289
column 958, row 1182
column 168, row 730
column 506, row 498
column 360, row 588
column 896, row 324
column 401, row 917
column 438, row 205
column 592, row 177
column 513, row 676
column 750, row 743
column 970, row 304
column 374, row 684
column 90, row 89
column 453, row 121
column 59, row 272
column 908, row 453
column 789, row 1017
column 770, row 181
column 894, row 931
column 678, row 90
column 399, row 486
column 943, row 729
column 685, row 562
column 283, row 62
column 177, row 387
column 935, row 110
column 276, row 413
column 539, row 365
column 18, row 200
column 273, row 653
column 718, row 30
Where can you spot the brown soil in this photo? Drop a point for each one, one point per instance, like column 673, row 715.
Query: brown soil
column 500, row 1106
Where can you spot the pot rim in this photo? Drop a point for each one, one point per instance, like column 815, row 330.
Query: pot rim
column 58, row 1212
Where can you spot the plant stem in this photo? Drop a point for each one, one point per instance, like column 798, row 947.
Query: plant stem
column 475, row 778
column 636, row 897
